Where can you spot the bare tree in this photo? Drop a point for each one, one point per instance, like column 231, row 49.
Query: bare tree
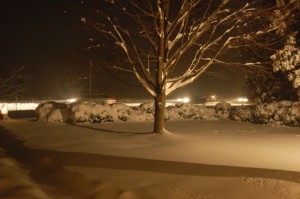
column 168, row 44
column 12, row 85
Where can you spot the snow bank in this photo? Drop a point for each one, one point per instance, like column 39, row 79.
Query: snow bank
column 85, row 111
column 277, row 113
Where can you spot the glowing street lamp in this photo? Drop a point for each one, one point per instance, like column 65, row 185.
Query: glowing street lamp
column 213, row 98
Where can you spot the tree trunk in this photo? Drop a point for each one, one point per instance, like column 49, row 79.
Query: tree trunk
column 160, row 98
column 159, row 122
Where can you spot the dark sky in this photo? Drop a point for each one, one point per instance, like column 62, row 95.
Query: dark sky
column 47, row 37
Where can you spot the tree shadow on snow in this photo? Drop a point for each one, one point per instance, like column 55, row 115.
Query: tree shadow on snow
column 107, row 130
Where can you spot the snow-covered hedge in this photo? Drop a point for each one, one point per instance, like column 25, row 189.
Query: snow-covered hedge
column 189, row 111
column 53, row 112
column 85, row 111
column 277, row 113
column 223, row 109
column 244, row 114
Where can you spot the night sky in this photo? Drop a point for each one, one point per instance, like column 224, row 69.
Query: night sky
column 47, row 37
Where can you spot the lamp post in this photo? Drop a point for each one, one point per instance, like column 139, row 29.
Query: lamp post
column 88, row 78
column 90, row 85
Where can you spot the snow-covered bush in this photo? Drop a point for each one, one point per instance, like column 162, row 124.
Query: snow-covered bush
column 265, row 112
column 287, row 60
column 283, row 113
column 52, row 112
column 294, row 113
column 171, row 113
column 268, row 88
column 189, row 111
column 121, row 112
column 206, row 113
column 244, row 114
column 223, row 109
column 147, row 107
column 85, row 111
column 276, row 113
column 139, row 116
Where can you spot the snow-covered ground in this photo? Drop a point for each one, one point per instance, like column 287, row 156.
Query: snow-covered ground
column 217, row 159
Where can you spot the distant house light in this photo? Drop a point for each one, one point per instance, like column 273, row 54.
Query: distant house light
column 183, row 100
column 71, row 100
column 243, row 99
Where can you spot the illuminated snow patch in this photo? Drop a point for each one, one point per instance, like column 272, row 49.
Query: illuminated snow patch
column 20, row 106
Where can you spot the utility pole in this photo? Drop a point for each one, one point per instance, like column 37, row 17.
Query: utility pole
column 16, row 99
column 90, row 84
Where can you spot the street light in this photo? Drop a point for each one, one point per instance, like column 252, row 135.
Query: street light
column 213, row 97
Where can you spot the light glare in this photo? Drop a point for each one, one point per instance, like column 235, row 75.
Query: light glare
column 183, row 100
column 4, row 110
column 71, row 100
column 242, row 99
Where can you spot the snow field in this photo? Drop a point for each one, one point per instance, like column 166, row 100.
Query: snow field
column 216, row 159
